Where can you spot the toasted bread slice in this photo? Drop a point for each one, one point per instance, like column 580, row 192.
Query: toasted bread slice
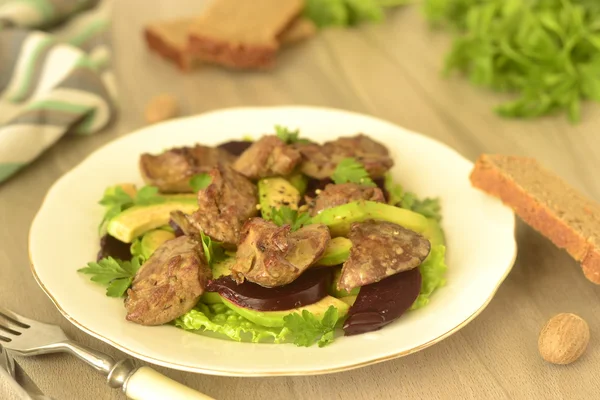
column 241, row 34
column 547, row 203
column 170, row 39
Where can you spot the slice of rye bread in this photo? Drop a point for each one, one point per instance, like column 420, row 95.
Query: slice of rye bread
column 241, row 34
column 170, row 39
column 545, row 202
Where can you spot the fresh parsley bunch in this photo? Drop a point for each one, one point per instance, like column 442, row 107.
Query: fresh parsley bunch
column 348, row 12
column 547, row 52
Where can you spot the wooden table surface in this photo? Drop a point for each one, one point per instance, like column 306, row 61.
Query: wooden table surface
column 391, row 71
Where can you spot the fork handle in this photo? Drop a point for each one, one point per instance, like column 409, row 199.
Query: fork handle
column 142, row 383
column 148, row 384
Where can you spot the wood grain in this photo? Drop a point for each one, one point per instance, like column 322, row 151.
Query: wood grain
column 391, row 71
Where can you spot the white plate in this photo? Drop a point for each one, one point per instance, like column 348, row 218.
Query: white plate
column 479, row 230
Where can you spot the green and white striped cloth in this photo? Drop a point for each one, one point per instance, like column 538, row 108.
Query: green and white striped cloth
column 55, row 76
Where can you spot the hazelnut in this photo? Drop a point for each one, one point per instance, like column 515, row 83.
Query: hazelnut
column 563, row 339
column 161, row 108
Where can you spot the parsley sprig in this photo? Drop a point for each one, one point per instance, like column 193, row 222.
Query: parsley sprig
column 285, row 215
column 351, row 171
column 200, row 181
column 116, row 275
column 116, row 200
column 289, row 136
column 148, row 195
column 286, row 134
column 306, row 329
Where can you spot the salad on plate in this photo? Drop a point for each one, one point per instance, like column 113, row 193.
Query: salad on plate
column 276, row 240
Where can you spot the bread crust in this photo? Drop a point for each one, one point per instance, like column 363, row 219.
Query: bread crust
column 156, row 42
column 241, row 34
column 165, row 39
column 491, row 179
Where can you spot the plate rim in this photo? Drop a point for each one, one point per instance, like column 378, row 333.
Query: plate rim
column 229, row 373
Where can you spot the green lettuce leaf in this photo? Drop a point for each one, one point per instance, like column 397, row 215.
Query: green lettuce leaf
column 428, row 207
column 220, row 319
column 433, row 272
column 395, row 190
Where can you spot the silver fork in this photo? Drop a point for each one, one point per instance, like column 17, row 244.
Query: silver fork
column 26, row 337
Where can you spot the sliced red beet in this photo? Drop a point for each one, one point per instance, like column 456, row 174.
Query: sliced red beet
column 309, row 288
column 381, row 303
column 111, row 247
column 235, row 147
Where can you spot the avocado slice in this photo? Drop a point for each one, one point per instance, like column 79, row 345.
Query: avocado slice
column 167, row 228
column 210, row 298
column 349, row 300
column 275, row 193
column 222, row 268
column 340, row 293
column 274, row 319
column 299, row 181
column 153, row 239
column 138, row 220
column 339, row 218
column 337, row 251
column 434, row 233
column 219, row 269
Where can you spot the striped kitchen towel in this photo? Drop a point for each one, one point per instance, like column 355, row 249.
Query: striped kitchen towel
column 55, row 76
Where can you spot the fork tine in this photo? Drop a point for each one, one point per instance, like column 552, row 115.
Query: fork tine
column 15, row 318
column 6, row 329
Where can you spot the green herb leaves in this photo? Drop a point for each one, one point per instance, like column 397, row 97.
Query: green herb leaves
column 350, row 170
column 327, row 12
column 285, row 215
column 213, row 251
column 148, row 195
column 116, row 199
column 428, row 207
column 200, row 181
column 306, row 329
column 137, row 250
column 547, row 52
column 115, row 274
column 347, row 12
column 395, row 191
column 288, row 136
